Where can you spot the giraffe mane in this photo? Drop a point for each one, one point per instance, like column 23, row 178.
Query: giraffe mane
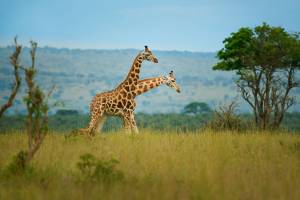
column 147, row 79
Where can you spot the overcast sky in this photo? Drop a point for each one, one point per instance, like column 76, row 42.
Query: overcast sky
column 194, row 25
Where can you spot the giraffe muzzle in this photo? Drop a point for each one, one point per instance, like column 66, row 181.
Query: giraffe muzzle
column 155, row 60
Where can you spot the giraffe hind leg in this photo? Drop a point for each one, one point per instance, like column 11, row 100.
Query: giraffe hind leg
column 94, row 123
column 100, row 123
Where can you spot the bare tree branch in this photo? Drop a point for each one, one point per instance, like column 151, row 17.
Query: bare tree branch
column 14, row 61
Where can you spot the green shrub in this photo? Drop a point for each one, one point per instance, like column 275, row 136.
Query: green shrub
column 18, row 166
column 93, row 169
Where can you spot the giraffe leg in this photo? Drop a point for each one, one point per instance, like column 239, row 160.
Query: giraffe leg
column 129, row 123
column 134, row 127
column 95, row 119
column 126, row 124
column 101, row 123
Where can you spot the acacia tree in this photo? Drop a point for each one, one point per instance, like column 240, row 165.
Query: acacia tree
column 266, row 60
column 15, row 62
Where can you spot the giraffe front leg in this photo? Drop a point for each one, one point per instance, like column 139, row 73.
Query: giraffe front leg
column 126, row 124
column 134, row 127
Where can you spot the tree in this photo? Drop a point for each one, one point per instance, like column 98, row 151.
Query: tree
column 196, row 108
column 266, row 60
column 37, row 108
column 14, row 61
column 37, row 117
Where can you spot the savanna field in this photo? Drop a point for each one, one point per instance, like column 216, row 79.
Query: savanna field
column 155, row 165
column 188, row 109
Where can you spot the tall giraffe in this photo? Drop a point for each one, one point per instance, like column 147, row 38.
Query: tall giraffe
column 120, row 101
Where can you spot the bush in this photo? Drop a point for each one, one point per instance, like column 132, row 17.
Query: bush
column 225, row 118
column 93, row 169
column 18, row 166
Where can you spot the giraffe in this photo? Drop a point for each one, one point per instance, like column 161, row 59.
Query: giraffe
column 147, row 84
column 120, row 101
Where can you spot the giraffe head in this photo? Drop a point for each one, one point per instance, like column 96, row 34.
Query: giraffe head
column 148, row 55
column 170, row 81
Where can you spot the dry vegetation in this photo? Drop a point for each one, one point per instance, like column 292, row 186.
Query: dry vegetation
column 157, row 165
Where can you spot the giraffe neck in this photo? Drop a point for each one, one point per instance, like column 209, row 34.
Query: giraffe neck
column 134, row 71
column 148, row 84
column 129, row 84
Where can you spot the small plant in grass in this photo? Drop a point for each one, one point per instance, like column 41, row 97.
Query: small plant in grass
column 18, row 166
column 93, row 169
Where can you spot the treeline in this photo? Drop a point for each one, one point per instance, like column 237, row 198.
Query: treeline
column 168, row 122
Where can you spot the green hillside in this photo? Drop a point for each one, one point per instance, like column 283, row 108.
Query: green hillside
column 80, row 74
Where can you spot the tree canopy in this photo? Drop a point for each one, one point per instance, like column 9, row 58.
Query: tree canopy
column 196, row 108
column 266, row 60
column 264, row 46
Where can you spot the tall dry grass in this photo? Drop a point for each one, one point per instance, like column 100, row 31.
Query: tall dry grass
column 160, row 165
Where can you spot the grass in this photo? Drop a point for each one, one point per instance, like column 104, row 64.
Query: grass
column 159, row 165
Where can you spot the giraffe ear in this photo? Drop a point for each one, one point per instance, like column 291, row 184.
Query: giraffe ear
column 146, row 48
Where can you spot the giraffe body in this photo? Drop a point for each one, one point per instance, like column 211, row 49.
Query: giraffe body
column 112, row 104
column 108, row 103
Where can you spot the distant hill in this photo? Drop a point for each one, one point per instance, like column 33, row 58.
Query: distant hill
column 80, row 74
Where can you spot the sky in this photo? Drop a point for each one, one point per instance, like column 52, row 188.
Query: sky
column 192, row 25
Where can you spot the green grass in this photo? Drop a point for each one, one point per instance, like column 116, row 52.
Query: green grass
column 159, row 165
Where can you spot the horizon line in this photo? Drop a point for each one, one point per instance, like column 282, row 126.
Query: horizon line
column 99, row 49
